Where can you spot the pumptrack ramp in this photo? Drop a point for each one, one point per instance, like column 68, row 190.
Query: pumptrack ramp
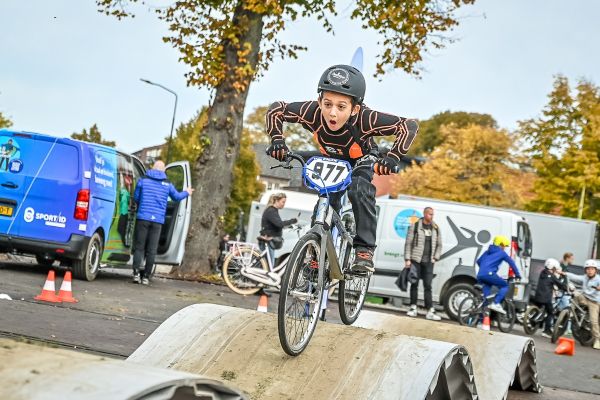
column 34, row 372
column 500, row 361
column 242, row 347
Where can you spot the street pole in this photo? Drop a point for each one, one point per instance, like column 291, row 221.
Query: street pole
column 172, row 120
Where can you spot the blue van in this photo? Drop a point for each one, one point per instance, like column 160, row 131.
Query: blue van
column 71, row 201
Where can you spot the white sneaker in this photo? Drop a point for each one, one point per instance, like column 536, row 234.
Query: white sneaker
column 432, row 315
column 596, row 344
column 412, row 312
column 137, row 278
column 498, row 308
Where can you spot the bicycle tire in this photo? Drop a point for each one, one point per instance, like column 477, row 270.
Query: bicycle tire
column 583, row 332
column 233, row 278
column 530, row 326
column 506, row 322
column 294, row 310
column 560, row 326
column 469, row 311
column 353, row 292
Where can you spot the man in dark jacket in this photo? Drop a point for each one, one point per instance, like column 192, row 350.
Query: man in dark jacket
column 544, row 292
column 151, row 195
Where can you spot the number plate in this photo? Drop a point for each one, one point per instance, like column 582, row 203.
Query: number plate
column 6, row 211
column 519, row 292
column 327, row 174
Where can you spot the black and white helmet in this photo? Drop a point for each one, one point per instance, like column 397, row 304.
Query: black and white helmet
column 344, row 79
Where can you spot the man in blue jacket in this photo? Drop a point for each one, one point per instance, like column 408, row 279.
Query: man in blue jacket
column 151, row 195
column 488, row 271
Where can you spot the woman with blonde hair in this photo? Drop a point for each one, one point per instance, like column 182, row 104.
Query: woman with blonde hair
column 271, row 232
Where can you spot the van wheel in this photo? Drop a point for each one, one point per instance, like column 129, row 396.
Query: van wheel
column 455, row 294
column 90, row 265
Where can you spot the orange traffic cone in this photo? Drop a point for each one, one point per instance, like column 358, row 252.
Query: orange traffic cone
column 65, row 294
column 486, row 322
column 565, row 346
column 262, row 303
column 49, row 290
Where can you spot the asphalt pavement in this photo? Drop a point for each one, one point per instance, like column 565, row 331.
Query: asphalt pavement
column 114, row 316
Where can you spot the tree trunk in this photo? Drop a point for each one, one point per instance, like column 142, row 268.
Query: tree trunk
column 213, row 171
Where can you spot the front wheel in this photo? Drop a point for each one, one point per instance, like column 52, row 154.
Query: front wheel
column 353, row 291
column 234, row 262
column 88, row 267
column 301, row 295
column 506, row 321
column 455, row 295
column 530, row 323
column 560, row 327
column 583, row 332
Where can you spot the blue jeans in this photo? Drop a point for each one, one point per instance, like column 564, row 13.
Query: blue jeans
column 564, row 301
column 488, row 281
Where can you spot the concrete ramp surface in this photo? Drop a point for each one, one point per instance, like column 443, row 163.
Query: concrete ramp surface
column 500, row 361
column 341, row 362
column 33, row 372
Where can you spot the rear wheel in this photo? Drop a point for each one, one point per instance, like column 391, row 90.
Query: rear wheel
column 300, row 297
column 232, row 265
column 88, row 267
column 469, row 311
column 560, row 327
column 506, row 321
column 353, row 291
column 530, row 320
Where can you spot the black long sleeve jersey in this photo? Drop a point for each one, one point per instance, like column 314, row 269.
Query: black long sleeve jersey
column 352, row 140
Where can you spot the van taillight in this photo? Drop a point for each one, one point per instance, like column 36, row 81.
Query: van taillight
column 513, row 248
column 82, row 205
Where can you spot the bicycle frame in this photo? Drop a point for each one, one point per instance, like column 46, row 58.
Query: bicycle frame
column 250, row 269
column 326, row 216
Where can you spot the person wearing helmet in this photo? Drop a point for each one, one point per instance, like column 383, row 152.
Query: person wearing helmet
column 344, row 128
column 544, row 292
column 487, row 276
column 590, row 296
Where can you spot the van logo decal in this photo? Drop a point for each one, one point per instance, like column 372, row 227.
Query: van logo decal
column 404, row 219
column 15, row 166
column 467, row 242
column 29, row 214
column 10, row 150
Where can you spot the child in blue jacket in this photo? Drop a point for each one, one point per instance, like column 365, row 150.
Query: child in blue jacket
column 488, row 277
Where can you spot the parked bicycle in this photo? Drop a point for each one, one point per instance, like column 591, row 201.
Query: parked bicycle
column 581, row 325
column 246, row 269
column 322, row 256
column 534, row 316
column 473, row 308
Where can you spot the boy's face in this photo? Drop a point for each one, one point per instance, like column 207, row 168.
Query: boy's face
column 336, row 109
column 590, row 272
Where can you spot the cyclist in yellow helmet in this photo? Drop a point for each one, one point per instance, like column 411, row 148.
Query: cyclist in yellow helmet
column 488, row 277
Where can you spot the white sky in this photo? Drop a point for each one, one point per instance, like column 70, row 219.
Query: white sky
column 65, row 66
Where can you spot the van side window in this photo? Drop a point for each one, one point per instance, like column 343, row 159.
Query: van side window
column 175, row 175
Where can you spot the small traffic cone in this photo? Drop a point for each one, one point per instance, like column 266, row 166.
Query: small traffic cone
column 262, row 303
column 65, row 294
column 486, row 322
column 565, row 346
column 49, row 290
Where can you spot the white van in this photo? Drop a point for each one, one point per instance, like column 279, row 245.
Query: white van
column 466, row 231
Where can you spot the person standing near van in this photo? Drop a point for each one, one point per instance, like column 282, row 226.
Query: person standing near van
column 567, row 261
column 151, row 195
column 271, row 231
column 422, row 249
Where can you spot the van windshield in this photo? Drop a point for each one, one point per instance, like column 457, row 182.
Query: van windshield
column 24, row 155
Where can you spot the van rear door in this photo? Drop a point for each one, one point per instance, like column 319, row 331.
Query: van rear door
column 12, row 180
column 42, row 179
column 171, row 245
